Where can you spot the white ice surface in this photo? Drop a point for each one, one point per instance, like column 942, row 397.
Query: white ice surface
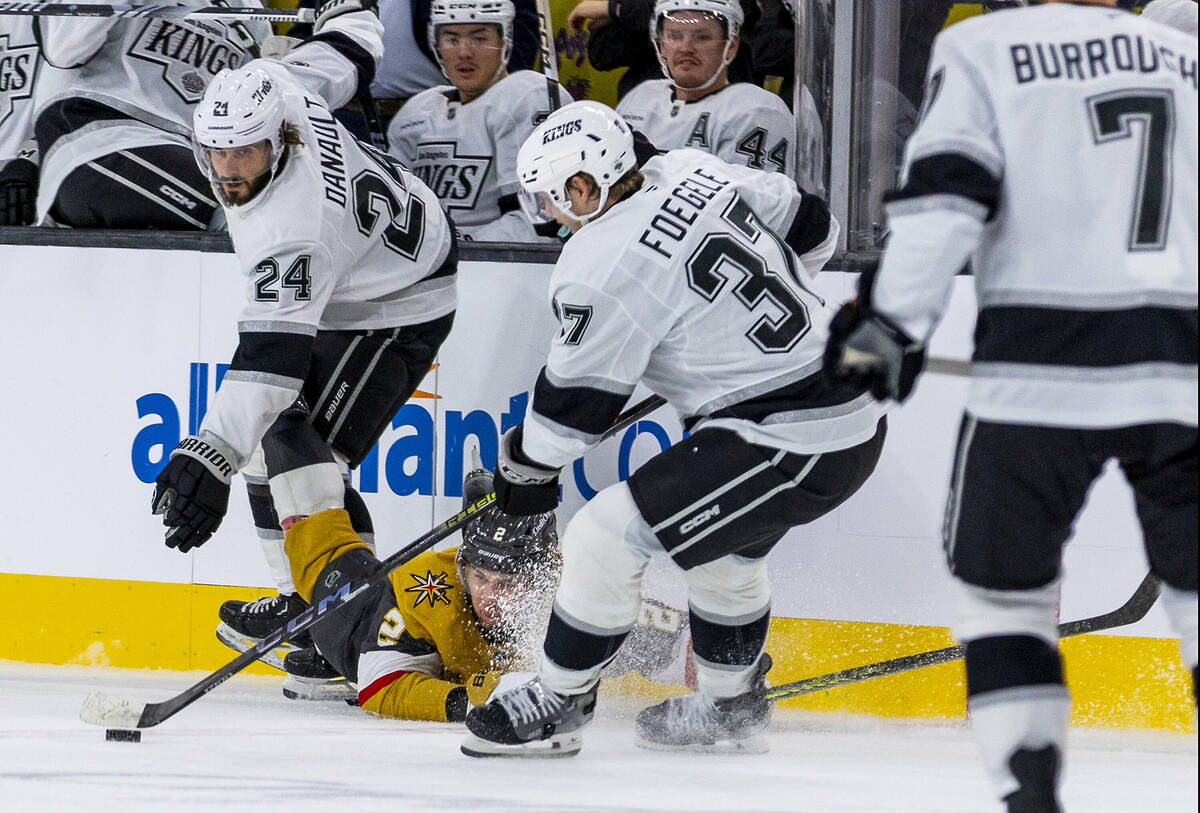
column 245, row 747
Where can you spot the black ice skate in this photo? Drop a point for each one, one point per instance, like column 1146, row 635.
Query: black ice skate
column 696, row 722
column 1037, row 771
column 245, row 623
column 529, row 721
column 311, row 677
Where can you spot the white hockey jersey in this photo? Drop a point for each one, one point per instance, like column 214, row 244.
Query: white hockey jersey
column 1057, row 149
column 127, row 83
column 741, row 123
column 20, row 63
column 467, row 153
column 344, row 238
column 688, row 286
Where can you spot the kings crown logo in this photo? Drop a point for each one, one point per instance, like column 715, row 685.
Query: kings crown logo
column 18, row 64
column 191, row 54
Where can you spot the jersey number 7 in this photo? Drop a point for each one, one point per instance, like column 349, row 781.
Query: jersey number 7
column 1112, row 116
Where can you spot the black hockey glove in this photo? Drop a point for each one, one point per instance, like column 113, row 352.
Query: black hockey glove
column 192, row 493
column 867, row 349
column 335, row 8
column 523, row 486
column 18, row 192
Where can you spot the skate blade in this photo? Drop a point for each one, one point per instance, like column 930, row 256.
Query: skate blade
column 561, row 745
column 244, row 643
column 755, row 744
column 296, row 688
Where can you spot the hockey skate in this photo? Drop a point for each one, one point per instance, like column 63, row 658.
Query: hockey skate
column 311, row 677
column 529, row 721
column 1037, row 771
column 245, row 623
column 696, row 722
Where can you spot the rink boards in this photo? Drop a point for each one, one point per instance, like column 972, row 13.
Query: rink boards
column 112, row 354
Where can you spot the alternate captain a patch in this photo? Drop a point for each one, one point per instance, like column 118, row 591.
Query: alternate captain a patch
column 430, row 588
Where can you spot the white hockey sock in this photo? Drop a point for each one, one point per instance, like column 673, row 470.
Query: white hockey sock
column 1007, row 720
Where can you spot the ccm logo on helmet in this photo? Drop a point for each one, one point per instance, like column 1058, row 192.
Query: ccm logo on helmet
column 560, row 130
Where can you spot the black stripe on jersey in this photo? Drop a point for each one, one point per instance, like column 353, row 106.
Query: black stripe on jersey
column 363, row 62
column 643, row 150
column 810, row 227
column 1033, row 335
column 282, row 354
column 585, row 409
column 509, row 203
column 449, row 266
column 811, row 392
column 950, row 173
column 68, row 115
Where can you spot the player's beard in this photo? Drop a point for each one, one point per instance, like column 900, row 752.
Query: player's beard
column 241, row 193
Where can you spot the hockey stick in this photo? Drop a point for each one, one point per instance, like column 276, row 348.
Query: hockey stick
column 944, row 366
column 274, row 15
column 1132, row 610
column 549, row 53
column 102, row 709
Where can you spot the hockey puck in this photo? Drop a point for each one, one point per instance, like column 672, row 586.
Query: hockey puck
column 122, row 735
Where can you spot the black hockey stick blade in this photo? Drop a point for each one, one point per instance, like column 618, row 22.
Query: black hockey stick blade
column 103, row 709
column 1134, row 609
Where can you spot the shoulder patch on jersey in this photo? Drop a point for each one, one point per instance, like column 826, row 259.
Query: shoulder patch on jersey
column 429, row 588
column 18, row 66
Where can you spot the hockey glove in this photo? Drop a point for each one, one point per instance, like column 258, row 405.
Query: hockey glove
column 192, row 493
column 335, row 8
column 523, row 486
column 18, row 192
column 867, row 349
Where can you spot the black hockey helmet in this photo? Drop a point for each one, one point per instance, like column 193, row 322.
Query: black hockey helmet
column 504, row 543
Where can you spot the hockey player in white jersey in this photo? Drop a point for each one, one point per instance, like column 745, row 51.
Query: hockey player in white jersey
column 462, row 139
column 693, row 276
column 1057, row 150
column 112, row 126
column 697, row 106
column 350, row 268
column 20, row 64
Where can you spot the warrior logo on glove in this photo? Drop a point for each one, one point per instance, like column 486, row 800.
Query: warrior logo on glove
column 192, row 493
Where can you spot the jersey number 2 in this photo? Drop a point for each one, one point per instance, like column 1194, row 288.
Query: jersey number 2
column 1112, row 116
column 375, row 195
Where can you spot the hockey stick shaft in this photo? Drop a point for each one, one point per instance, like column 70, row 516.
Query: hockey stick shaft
column 946, row 366
column 99, row 709
column 549, row 53
column 1134, row 609
column 546, row 32
column 275, row 15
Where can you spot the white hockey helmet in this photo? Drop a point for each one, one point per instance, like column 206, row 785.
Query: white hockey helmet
column 583, row 136
column 240, row 107
column 452, row 12
column 729, row 12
